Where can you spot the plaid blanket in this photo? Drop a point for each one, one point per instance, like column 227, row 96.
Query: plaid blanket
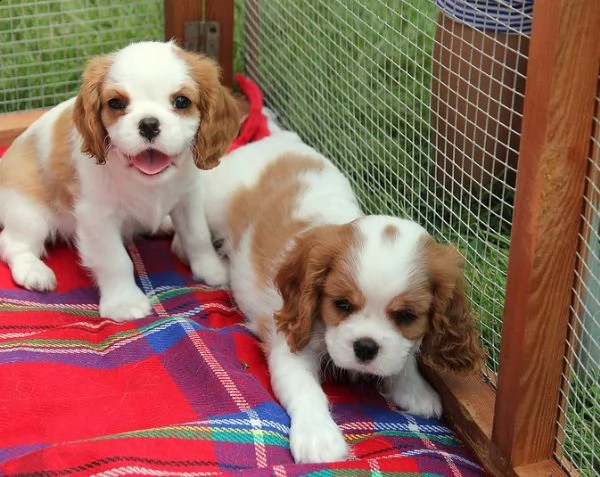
column 184, row 392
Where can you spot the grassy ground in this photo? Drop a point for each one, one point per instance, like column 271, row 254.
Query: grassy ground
column 353, row 79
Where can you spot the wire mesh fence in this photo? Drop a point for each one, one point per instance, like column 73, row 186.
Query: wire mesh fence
column 579, row 414
column 44, row 44
column 421, row 111
column 424, row 114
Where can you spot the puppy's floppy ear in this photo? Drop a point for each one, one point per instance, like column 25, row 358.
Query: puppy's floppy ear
column 219, row 112
column 86, row 112
column 218, row 128
column 452, row 340
column 300, row 281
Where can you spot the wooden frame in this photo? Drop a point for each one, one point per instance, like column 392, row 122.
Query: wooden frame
column 178, row 12
column 514, row 434
column 511, row 430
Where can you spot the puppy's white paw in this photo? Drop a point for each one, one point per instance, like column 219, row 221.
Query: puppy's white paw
column 33, row 274
column 420, row 400
column 125, row 305
column 211, row 269
column 316, row 442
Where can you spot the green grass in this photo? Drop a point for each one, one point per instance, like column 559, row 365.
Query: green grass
column 352, row 77
column 44, row 45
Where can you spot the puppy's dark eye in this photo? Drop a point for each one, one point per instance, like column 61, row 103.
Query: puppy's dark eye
column 343, row 305
column 181, row 102
column 403, row 317
column 116, row 103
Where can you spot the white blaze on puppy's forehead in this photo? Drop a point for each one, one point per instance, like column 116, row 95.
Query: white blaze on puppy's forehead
column 387, row 267
column 149, row 69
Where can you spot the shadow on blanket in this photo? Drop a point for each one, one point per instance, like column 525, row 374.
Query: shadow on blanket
column 183, row 392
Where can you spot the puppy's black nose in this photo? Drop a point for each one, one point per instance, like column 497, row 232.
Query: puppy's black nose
column 149, row 128
column 365, row 349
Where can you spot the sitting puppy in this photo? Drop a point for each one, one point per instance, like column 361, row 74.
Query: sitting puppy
column 115, row 161
column 319, row 280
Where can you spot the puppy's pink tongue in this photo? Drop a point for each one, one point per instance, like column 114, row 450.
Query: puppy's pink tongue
column 151, row 162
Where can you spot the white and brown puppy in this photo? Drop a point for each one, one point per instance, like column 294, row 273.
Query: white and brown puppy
column 318, row 279
column 114, row 161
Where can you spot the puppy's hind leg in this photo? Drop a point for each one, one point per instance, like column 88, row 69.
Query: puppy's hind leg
column 26, row 227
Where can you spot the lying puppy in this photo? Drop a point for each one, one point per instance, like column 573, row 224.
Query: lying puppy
column 319, row 280
column 114, row 161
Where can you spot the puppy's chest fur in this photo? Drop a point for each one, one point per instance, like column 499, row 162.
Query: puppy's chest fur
column 140, row 207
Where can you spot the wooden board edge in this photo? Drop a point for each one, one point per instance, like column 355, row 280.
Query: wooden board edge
column 469, row 403
column 546, row 468
column 13, row 124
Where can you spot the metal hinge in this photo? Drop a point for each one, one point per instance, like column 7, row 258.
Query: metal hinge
column 204, row 37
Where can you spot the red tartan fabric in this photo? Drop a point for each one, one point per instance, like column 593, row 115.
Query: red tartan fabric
column 183, row 392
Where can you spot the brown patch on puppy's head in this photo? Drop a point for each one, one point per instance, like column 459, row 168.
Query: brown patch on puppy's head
column 302, row 276
column 341, row 294
column 109, row 115
column 409, row 311
column 391, row 233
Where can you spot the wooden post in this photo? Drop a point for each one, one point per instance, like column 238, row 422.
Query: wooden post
column 179, row 12
column 559, row 102
column 222, row 11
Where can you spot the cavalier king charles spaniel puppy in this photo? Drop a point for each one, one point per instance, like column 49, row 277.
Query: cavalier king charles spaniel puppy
column 115, row 161
column 320, row 281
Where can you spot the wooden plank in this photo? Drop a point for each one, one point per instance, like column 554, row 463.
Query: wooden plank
column 559, row 100
column 546, row 468
column 177, row 13
column 13, row 124
column 469, row 408
column 222, row 11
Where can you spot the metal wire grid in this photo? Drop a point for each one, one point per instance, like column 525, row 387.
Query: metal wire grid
column 579, row 415
column 44, row 44
column 354, row 79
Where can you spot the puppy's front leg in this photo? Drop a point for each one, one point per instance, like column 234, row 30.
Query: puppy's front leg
column 409, row 391
column 193, row 241
column 314, row 435
column 102, row 250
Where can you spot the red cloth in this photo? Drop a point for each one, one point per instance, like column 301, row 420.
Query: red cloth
column 254, row 126
column 185, row 391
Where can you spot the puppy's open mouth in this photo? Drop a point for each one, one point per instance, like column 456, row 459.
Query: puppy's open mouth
column 151, row 162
